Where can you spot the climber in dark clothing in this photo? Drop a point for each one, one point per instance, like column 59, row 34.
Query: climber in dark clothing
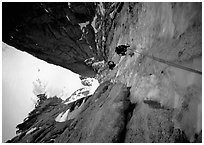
column 111, row 64
column 121, row 49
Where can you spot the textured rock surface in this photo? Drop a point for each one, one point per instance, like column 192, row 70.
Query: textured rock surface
column 140, row 100
column 168, row 31
column 102, row 118
column 151, row 125
column 51, row 31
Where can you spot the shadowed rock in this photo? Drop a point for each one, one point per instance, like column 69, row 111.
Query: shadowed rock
column 51, row 32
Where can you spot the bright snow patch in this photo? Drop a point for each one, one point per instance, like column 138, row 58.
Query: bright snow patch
column 111, row 14
column 94, row 85
column 46, row 10
column 89, row 60
column 93, row 24
column 104, row 39
column 101, row 8
column 82, row 25
column 81, row 93
column 84, row 92
column 58, row 117
column 90, row 47
column 99, row 63
column 31, row 130
column 69, row 4
column 62, row 117
column 67, row 18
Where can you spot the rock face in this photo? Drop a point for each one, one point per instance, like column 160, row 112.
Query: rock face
column 107, row 116
column 102, row 118
column 51, row 32
column 146, row 97
column 171, row 33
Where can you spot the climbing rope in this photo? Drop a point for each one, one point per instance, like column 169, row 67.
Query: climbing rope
column 171, row 63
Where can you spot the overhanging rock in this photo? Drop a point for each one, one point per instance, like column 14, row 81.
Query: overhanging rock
column 51, row 32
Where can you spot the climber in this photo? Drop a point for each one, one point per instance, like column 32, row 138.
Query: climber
column 111, row 64
column 121, row 49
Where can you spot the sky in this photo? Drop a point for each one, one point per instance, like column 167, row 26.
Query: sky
column 19, row 71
